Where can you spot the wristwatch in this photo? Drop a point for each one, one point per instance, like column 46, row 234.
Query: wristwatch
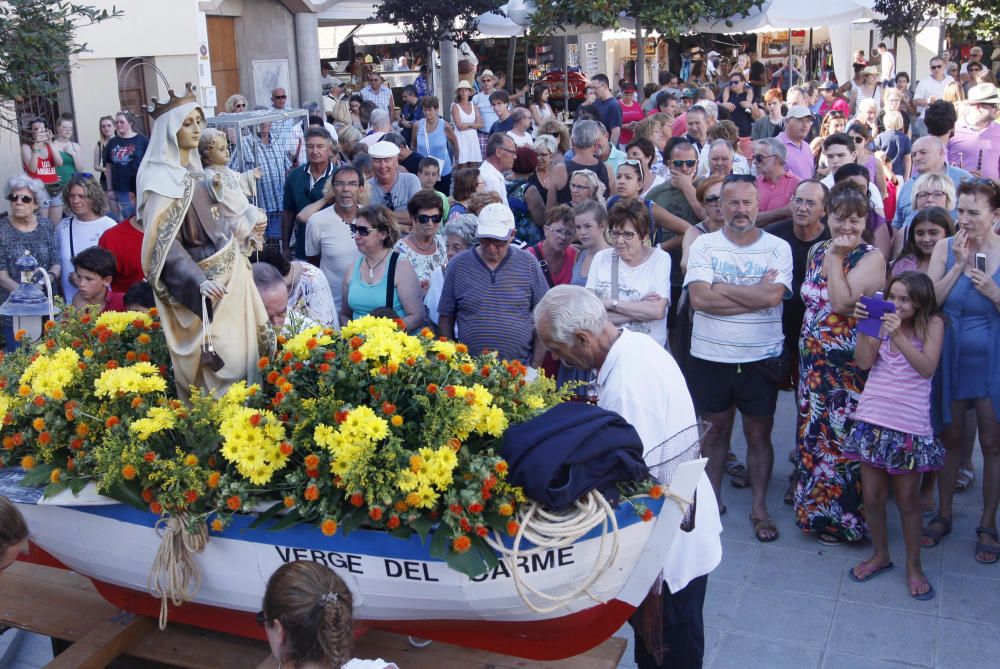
column 614, row 303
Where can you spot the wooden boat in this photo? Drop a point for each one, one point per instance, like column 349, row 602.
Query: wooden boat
column 397, row 585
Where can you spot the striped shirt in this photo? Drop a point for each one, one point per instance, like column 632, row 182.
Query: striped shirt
column 896, row 396
column 492, row 308
column 274, row 165
column 381, row 98
column 745, row 337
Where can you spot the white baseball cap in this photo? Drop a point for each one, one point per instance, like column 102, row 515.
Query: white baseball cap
column 383, row 150
column 495, row 221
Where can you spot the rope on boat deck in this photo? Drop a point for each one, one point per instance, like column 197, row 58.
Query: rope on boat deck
column 175, row 576
column 548, row 530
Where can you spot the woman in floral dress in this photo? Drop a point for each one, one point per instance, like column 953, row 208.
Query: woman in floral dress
column 828, row 494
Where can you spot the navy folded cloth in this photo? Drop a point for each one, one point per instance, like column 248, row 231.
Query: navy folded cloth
column 571, row 449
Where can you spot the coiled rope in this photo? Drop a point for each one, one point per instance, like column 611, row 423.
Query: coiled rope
column 175, row 576
column 548, row 530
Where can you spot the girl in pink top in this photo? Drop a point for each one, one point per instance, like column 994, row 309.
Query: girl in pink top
column 891, row 431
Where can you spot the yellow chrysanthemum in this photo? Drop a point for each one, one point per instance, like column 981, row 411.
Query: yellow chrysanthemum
column 50, row 375
column 302, row 344
column 157, row 419
column 141, row 378
column 117, row 321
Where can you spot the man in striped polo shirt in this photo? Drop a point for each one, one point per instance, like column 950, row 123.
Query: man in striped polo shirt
column 490, row 291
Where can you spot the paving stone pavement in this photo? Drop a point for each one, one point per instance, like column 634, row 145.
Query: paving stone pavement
column 789, row 604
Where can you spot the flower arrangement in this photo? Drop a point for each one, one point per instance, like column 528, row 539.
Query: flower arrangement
column 369, row 426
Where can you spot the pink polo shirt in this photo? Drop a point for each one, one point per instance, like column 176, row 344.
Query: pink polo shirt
column 799, row 160
column 775, row 195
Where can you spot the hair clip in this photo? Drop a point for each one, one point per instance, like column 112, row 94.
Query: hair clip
column 328, row 597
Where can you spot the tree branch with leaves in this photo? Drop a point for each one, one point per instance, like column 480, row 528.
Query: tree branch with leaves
column 427, row 23
column 37, row 39
column 904, row 19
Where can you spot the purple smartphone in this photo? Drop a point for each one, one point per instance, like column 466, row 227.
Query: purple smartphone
column 877, row 307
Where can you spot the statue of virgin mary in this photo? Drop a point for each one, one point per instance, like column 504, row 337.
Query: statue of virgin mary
column 215, row 323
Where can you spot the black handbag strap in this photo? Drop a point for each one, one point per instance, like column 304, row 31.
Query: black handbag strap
column 537, row 252
column 390, row 280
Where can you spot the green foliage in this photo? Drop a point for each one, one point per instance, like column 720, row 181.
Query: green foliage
column 37, row 38
column 425, row 25
column 979, row 20
column 671, row 18
column 905, row 18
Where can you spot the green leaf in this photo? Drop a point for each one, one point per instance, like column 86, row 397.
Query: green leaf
column 126, row 495
column 53, row 489
column 439, row 542
column 422, row 526
column 475, row 561
column 37, row 476
column 78, row 484
column 351, row 520
column 290, row 519
column 267, row 515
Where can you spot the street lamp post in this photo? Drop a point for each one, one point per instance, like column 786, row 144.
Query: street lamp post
column 29, row 304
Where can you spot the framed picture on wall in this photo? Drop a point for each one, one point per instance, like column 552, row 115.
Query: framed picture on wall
column 268, row 75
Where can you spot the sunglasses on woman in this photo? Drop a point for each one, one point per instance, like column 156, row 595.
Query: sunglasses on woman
column 24, row 199
column 428, row 218
column 362, row 230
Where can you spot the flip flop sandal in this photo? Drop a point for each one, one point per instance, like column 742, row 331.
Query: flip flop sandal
column 739, row 476
column 966, row 477
column 761, row 525
column 851, row 574
column 828, row 539
column 936, row 535
column 925, row 596
column 789, row 497
column 990, row 549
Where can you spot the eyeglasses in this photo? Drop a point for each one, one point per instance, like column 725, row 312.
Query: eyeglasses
column 936, row 67
column 712, row 199
column 279, row 97
column 627, row 235
column 504, row 148
column 362, row 230
column 428, row 218
column 580, row 186
column 800, row 202
column 239, row 105
column 858, row 140
column 24, row 199
column 346, row 184
column 562, row 232
column 735, row 82
column 759, row 157
column 937, row 194
column 634, row 163
column 683, row 163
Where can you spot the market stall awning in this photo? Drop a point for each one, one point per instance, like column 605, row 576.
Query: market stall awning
column 791, row 14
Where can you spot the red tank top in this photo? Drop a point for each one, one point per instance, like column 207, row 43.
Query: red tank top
column 46, row 168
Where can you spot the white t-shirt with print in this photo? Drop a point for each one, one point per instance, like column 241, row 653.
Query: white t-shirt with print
column 85, row 235
column 742, row 337
column 634, row 283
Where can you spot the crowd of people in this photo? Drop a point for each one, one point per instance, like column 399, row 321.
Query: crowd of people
column 837, row 241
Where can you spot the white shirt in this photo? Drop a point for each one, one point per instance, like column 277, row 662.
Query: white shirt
column 520, row 140
column 634, row 283
column 741, row 337
column 740, row 164
column 328, row 237
column 930, row 87
column 482, row 102
column 641, row 382
column 85, row 235
column 494, row 180
column 888, row 62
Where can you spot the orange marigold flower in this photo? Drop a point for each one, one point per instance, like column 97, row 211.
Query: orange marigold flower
column 136, row 402
column 49, row 326
column 329, row 527
column 500, row 467
column 149, row 456
column 28, row 462
column 375, row 513
column 19, row 439
column 49, row 344
column 388, row 408
column 312, row 343
column 393, row 367
column 461, row 544
column 24, row 390
column 432, row 388
column 465, row 524
column 475, row 507
column 213, row 480
column 144, row 338
column 39, row 400
column 45, row 438
column 286, row 356
column 76, row 444
column 357, row 499
column 255, row 419
column 82, row 429
column 129, row 472
column 411, row 361
column 485, row 371
column 450, row 391
column 341, row 416
column 272, row 377
column 656, row 492
column 512, row 527
column 442, row 357
column 466, row 368
column 147, row 495
column 55, row 476
column 234, row 502
column 85, row 319
column 324, row 368
column 481, row 531
column 190, row 496
column 57, row 394
column 312, row 493
column 285, row 448
column 401, row 507
column 144, row 357
column 427, row 333
column 70, row 464
column 456, row 444
column 312, row 461
column 112, row 364
column 289, row 502
column 329, row 355
column 506, row 510
column 217, row 525
column 156, row 508
column 130, row 356
column 393, row 522
column 356, row 342
column 8, row 443
column 38, row 424
column 413, row 499
column 461, row 348
column 647, row 515
column 396, row 420
column 20, row 334
column 356, row 357
column 111, row 422
column 263, row 362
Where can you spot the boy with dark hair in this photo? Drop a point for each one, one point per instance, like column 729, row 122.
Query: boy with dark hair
column 139, row 297
column 95, row 269
column 501, row 105
column 429, row 173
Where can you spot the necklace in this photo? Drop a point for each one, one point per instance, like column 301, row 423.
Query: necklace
column 372, row 268
column 428, row 249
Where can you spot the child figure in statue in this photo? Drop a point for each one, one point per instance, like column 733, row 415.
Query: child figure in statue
column 232, row 190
